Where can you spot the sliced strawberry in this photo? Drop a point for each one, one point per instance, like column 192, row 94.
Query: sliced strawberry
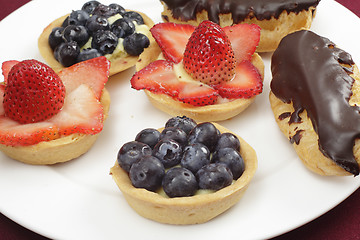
column 208, row 56
column 6, row 67
column 246, row 83
column 82, row 113
column 197, row 94
column 13, row 133
column 157, row 77
column 2, row 90
column 93, row 72
column 244, row 39
column 172, row 39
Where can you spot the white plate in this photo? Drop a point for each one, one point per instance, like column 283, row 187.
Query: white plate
column 79, row 200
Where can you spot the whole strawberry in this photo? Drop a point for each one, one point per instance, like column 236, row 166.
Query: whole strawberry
column 33, row 92
column 209, row 57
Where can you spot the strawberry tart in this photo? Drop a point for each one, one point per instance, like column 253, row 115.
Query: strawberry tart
column 96, row 30
column 277, row 18
column 207, row 73
column 47, row 118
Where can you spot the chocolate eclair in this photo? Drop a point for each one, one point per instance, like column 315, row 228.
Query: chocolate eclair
column 277, row 18
column 315, row 98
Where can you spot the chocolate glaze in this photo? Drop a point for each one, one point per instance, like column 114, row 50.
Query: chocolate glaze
column 240, row 9
column 297, row 137
column 307, row 72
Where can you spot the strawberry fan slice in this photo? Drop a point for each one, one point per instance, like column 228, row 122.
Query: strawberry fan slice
column 81, row 113
column 216, row 61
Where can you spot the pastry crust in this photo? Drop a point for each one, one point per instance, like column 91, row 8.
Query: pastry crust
column 272, row 30
column 117, row 65
column 58, row 150
column 187, row 210
column 307, row 148
column 216, row 112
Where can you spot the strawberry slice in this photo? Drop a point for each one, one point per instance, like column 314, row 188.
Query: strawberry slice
column 82, row 113
column 244, row 39
column 198, row 95
column 208, row 56
column 172, row 39
column 93, row 72
column 159, row 77
column 246, row 83
column 2, row 91
column 6, row 67
column 13, row 133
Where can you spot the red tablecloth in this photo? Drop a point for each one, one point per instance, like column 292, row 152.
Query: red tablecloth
column 342, row 222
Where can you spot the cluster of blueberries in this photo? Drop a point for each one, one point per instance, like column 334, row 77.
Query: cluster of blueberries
column 92, row 21
column 182, row 158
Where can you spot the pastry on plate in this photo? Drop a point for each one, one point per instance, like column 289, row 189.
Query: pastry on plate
column 277, row 18
column 315, row 98
column 184, row 173
column 96, row 30
column 207, row 72
column 47, row 118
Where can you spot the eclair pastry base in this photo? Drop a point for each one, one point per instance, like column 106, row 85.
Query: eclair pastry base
column 272, row 30
column 215, row 112
column 187, row 210
column 117, row 65
column 308, row 147
column 58, row 150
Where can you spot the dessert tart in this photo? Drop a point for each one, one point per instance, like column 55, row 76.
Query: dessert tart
column 196, row 202
column 172, row 73
column 315, row 98
column 60, row 125
column 277, row 18
column 96, row 30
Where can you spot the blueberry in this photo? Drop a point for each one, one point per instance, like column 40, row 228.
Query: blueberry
column 136, row 43
column 195, row 156
column 117, row 8
column 147, row 173
column 104, row 10
column 131, row 152
column 67, row 53
column 185, row 123
column 232, row 159
column 228, row 140
column 104, row 41
column 214, row 176
column 75, row 33
column 95, row 23
column 149, row 136
column 65, row 22
column 55, row 37
column 175, row 134
column 78, row 17
column 168, row 151
column 134, row 16
column 90, row 6
column 122, row 27
column 205, row 133
column 87, row 54
column 179, row 182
